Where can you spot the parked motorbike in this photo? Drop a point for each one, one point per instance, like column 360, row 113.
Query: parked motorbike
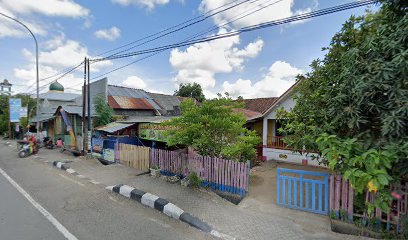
column 26, row 150
column 48, row 143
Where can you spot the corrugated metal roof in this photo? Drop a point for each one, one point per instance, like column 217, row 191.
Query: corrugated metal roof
column 42, row 118
column 114, row 127
column 168, row 102
column 131, row 93
column 147, row 119
column 59, row 96
column 121, row 102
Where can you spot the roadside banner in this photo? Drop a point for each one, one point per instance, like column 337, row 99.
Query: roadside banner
column 23, row 112
column 15, row 108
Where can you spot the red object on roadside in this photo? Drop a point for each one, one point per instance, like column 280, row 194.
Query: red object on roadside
column 396, row 195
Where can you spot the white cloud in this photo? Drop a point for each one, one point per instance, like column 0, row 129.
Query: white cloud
column 149, row 4
column 280, row 77
column 9, row 28
column 280, row 9
column 23, row 10
column 200, row 62
column 138, row 83
column 134, row 82
column 110, row 34
column 60, row 53
column 63, row 8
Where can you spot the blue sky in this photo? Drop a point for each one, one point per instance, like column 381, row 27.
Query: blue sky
column 258, row 64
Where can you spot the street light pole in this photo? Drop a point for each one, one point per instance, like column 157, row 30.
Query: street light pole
column 36, row 67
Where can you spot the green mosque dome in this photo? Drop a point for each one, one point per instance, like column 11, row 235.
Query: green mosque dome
column 56, row 87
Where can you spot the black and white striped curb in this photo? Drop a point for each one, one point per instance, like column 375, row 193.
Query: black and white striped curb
column 165, row 207
column 65, row 167
column 151, row 201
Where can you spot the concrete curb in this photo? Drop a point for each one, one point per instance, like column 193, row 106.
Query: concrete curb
column 151, row 201
column 66, row 167
column 161, row 205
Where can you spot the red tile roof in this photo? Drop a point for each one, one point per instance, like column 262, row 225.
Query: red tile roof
column 260, row 105
column 121, row 102
column 247, row 113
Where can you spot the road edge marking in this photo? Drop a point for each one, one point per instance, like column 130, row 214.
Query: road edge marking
column 42, row 210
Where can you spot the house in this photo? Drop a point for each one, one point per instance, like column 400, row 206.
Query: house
column 261, row 115
column 138, row 114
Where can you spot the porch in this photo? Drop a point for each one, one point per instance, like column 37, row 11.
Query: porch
column 272, row 138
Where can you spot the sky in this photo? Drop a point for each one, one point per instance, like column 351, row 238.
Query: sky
column 262, row 63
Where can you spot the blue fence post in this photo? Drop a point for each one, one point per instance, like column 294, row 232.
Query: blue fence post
column 278, row 186
column 326, row 193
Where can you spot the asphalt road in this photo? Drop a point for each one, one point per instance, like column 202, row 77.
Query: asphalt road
column 85, row 210
column 19, row 219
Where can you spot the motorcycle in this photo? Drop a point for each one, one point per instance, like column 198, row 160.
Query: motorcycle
column 48, row 143
column 25, row 149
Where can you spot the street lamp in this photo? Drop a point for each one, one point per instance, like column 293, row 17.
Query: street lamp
column 36, row 65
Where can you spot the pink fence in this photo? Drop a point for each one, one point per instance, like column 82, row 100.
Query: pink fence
column 219, row 174
column 341, row 203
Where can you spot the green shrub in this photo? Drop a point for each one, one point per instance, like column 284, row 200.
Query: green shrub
column 195, row 180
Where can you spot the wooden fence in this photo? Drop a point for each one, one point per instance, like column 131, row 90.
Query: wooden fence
column 342, row 199
column 219, row 174
column 133, row 156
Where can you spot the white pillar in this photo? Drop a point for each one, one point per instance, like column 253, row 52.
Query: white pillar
column 265, row 132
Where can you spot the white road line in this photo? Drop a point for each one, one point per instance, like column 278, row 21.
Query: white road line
column 42, row 210
column 71, row 180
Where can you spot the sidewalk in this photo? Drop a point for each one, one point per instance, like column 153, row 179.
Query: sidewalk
column 251, row 219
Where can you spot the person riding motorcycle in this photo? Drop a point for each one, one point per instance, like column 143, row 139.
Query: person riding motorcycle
column 32, row 141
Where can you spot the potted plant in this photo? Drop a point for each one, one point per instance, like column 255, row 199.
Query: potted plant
column 154, row 171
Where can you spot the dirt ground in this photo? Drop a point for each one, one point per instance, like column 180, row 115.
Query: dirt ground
column 264, row 177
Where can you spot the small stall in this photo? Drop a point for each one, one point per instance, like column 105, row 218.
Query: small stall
column 105, row 137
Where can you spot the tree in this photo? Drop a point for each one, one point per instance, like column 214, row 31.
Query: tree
column 190, row 90
column 103, row 110
column 353, row 105
column 213, row 129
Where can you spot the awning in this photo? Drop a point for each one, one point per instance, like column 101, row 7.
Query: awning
column 42, row 118
column 114, row 127
column 147, row 119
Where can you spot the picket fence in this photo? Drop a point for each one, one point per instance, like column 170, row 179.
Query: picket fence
column 219, row 174
column 342, row 204
column 137, row 157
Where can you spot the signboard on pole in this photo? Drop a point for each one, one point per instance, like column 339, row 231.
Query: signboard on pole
column 15, row 108
column 23, row 112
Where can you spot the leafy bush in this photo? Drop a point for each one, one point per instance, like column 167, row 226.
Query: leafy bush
column 195, row 180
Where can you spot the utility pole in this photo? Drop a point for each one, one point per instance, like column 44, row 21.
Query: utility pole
column 83, row 111
column 89, row 110
column 36, row 67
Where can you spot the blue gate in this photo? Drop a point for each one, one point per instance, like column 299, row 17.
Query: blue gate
column 303, row 190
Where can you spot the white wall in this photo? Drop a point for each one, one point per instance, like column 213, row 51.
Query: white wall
column 288, row 103
column 288, row 156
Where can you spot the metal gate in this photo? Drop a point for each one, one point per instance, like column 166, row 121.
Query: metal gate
column 303, row 190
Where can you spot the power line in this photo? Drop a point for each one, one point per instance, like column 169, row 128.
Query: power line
column 202, row 16
column 181, row 28
column 245, row 29
column 299, row 17
column 236, row 18
column 63, row 75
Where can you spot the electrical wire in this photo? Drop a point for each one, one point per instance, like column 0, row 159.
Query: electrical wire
column 299, row 17
column 202, row 16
